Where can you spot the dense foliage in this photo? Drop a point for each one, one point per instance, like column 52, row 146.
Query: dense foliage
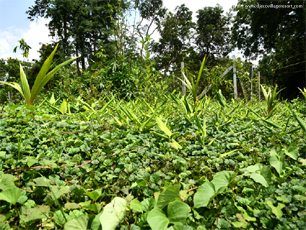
column 111, row 143
column 220, row 165
column 276, row 30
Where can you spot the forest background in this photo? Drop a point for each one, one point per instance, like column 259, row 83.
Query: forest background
column 117, row 52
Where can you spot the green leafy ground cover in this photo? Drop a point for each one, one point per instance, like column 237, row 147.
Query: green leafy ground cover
column 158, row 165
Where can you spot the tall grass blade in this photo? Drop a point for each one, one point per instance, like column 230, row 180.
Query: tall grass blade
column 163, row 127
column 25, row 86
column 300, row 121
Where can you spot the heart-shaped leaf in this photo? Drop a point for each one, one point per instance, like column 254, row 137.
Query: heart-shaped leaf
column 10, row 195
column 113, row 213
column 79, row 223
column 170, row 194
column 157, row 219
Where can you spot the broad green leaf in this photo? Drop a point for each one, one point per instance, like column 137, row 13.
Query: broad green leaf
column 113, row 213
column 10, row 195
column 94, row 195
column 245, row 214
column 201, row 228
column 40, row 181
column 59, row 190
column 47, row 224
column 30, row 160
column 70, row 206
column 93, row 207
column 292, row 151
column 259, row 173
column 276, row 210
column 22, row 199
column 241, row 219
column 30, row 214
column 4, row 226
column 79, row 223
column 259, row 179
column 170, row 194
column 148, row 204
column 59, row 217
column 221, row 98
column 157, row 219
column 204, row 194
column 84, row 204
column 184, row 194
column 240, row 225
column 265, row 171
column 136, row 205
column 163, row 127
column 283, row 199
column 2, row 154
column 221, row 180
column 223, row 224
column 178, row 212
column 7, row 182
column 96, row 224
column 252, row 168
column 277, row 160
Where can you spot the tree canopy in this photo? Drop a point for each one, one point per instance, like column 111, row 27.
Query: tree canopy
column 275, row 29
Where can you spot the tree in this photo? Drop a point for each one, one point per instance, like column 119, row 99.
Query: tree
column 278, row 32
column 213, row 35
column 152, row 11
column 80, row 24
column 259, row 29
column 176, row 32
column 24, row 47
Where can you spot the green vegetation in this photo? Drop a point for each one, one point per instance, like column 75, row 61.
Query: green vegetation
column 111, row 143
column 154, row 166
column 41, row 80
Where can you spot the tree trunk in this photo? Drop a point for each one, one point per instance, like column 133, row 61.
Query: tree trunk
column 168, row 66
column 78, row 62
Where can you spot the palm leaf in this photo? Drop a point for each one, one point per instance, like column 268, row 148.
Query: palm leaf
column 14, row 85
column 25, row 86
column 43, row 78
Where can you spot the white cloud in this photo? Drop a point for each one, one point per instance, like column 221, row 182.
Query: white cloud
column 7, row 39
column 36, row 33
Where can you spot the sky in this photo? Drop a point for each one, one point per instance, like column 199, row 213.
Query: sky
column 15, row 25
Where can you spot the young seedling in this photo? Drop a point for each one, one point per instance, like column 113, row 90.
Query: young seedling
column 41, row 80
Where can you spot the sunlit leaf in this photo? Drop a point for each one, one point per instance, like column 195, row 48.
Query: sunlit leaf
column 113, row 213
